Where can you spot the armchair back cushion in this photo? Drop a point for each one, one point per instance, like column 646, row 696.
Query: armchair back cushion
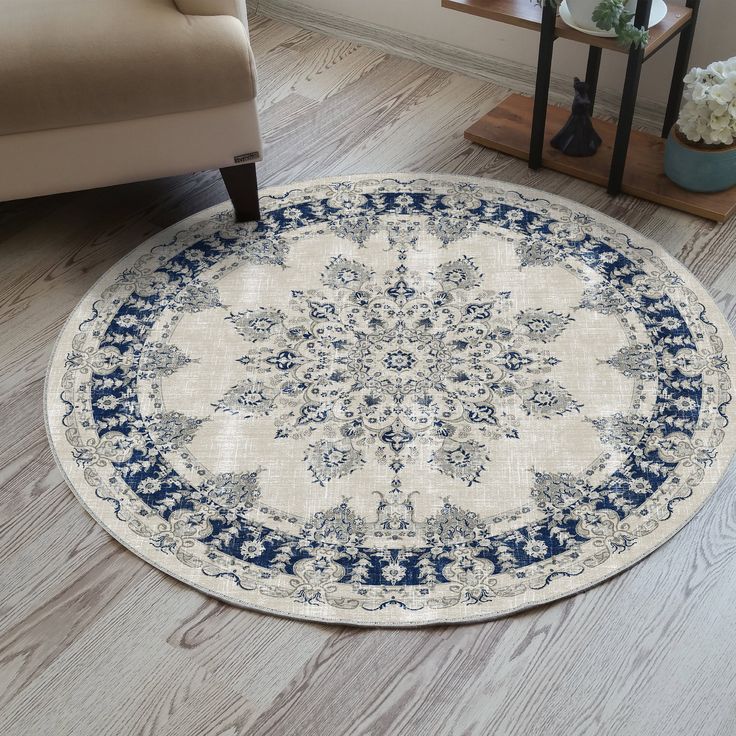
column 82, row 62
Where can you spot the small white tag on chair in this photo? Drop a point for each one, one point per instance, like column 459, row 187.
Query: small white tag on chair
column 241, row 158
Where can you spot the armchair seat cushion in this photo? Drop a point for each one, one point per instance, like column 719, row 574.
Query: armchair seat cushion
column 79, row 62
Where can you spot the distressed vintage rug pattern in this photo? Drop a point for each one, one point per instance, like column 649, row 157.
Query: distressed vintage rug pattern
column 398, row 400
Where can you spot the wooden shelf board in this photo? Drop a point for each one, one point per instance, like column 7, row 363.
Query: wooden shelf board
column 523, row 13
column 527, row 14
column 506, row 128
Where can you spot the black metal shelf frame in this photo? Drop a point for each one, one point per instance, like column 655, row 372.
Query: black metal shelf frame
column 636, row 59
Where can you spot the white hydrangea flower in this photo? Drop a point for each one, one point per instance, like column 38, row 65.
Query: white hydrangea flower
column 709, row 113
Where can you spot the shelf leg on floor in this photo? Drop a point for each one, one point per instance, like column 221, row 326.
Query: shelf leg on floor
column 541, row 90
column 682, row 62
column 591, row 73
column 628, row 103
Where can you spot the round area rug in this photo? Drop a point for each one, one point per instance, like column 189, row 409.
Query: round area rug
column 398, row 400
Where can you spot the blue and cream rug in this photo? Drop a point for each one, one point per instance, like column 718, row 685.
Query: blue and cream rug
column 399, row 400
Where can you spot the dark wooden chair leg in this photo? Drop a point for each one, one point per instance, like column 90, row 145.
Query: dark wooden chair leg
column 242, row 186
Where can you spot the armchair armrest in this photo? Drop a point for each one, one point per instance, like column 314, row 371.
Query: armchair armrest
column 236, row 8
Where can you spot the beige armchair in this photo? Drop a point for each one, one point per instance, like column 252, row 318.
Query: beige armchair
column 100, row 92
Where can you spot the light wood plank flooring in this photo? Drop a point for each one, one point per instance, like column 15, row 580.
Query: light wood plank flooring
column 93, row 641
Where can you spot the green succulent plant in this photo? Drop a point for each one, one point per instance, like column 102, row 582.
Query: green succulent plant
column 611, row 15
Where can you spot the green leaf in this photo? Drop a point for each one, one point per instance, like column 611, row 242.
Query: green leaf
column 607, row 14
column 630, row 34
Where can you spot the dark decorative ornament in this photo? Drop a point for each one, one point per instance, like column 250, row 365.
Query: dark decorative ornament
column 578, row 137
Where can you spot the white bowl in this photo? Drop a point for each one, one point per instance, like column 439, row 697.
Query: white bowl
column 578, row 14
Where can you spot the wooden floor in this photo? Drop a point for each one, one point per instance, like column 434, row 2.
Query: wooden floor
column 93, row 641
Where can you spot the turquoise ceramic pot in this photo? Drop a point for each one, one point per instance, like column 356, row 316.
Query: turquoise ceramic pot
column 699, row 169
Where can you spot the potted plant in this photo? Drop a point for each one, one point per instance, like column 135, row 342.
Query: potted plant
column 606, row 15
column 700, row 153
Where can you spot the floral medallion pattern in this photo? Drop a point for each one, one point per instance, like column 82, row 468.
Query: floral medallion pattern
column 394, row 401
column 383, row 362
